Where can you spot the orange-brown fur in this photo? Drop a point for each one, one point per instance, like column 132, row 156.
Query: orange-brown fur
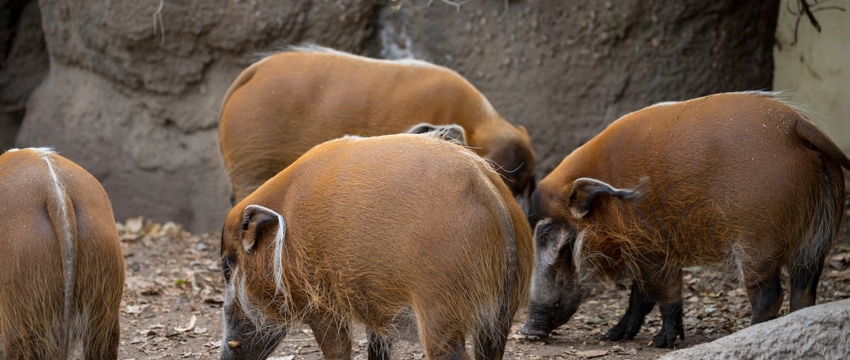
column 736, row 179
column 285, row 104
column 378, row 226
column 42, row 313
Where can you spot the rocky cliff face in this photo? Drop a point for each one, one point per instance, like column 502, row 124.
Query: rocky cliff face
column 135, row 87
column 138, row 106
column 23, row 63
column 566, row 69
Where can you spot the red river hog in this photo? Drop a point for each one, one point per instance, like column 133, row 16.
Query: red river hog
column 740, row 180
column 286, row 103
column 385, row 231
column 64, row 264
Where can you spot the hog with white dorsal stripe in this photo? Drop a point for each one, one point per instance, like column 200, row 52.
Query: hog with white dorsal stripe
column 64, row 266
column 386, row 231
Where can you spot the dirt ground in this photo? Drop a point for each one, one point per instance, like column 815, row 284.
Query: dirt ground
column 173, row 295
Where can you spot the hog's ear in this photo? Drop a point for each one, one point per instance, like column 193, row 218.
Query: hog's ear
column 422, row 128
column 585, row 190
column 256, row 220
column 523, row 130
column 452, row 132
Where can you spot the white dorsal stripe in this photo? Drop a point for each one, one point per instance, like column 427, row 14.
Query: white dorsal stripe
column 313, row 48
column 42, row 151
column 67, row 238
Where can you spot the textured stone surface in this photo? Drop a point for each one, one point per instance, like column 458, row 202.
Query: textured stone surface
column 140, row 110
column 818, row 332
column 815, row 71
column 23, row 63
column 566, row 69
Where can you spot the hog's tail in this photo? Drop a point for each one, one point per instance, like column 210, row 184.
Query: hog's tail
column 62, row 216
column 827, row 204
column 243, row 78
column 807, row 131
column 518, row 249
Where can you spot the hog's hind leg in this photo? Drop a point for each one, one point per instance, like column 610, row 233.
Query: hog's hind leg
column 102, row 343
column 671, row 325
column 666, row 289
column 441, row 335
column 490, row 345
column 804, row 280
column 764, row 289
column 453, row 349
column 379, row 348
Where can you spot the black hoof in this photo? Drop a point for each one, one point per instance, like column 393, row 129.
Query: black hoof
column 666, row 337
column 622, row 332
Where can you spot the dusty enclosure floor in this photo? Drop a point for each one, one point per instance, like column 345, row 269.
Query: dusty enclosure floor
column 172, row 307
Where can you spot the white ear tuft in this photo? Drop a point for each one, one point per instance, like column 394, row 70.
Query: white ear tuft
column 253, row 217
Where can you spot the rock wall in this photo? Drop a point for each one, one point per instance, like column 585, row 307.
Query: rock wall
column 23, row 63
column 138, row 107
column 566, row 69
column 814, row 71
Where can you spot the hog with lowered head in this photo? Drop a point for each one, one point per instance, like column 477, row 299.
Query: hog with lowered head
column 283, row 105
column 742, row 180
column 386, row 231
column 63, row 264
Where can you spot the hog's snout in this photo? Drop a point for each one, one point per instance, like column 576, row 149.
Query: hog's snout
column 542, row 319
column 539, row 322
column 533, row 328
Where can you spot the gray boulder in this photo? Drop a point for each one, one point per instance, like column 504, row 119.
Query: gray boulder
column 817, row 332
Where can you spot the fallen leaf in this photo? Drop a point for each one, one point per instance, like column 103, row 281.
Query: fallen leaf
column 595, row 321
column 592, row 353
column 287, row 357
column 134, row 225
column 136, row 309
column 214, row 300
column 188, row 328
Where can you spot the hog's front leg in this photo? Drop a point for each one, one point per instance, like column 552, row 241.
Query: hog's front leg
column 333, row 336
column 639, row 305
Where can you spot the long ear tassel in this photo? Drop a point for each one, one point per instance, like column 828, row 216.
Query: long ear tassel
column 278, row 243
column 278, row 254
column 584, row 190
